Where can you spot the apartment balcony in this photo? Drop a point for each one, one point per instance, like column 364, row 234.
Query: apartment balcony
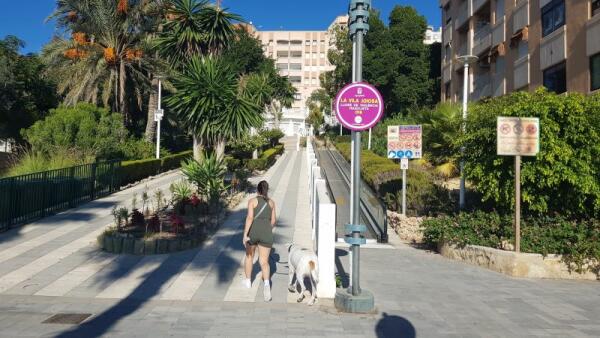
column 521, row 15
column 477, row 4
column 593, row 32
column 447, row 72
column 498, row 85
column 447, row 34
column 521, row 72
column 499, row 32
column 462, row 50
column 464, row 13
column 482, row 40
column 553, row 48
column 482, row 87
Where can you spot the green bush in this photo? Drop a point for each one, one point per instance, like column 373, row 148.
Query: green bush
column 423, row 196
column 171, row 162
column 133, row 171
column 136, row 149
column 207, row 175
column 85, row 128
column 272, row 135
column 577, row 241
column 563, row 178
column 232, row 163
column 266, row 159
column 244, row 147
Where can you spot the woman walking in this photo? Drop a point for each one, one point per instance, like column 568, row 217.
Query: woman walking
column 258, row 232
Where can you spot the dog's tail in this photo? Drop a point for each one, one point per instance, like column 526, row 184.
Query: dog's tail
column 314, row 271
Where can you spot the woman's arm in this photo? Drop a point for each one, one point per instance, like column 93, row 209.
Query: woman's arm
column 249, row 220
column 273, row 215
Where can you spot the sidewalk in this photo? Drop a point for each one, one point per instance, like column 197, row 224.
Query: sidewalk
column 53, row 266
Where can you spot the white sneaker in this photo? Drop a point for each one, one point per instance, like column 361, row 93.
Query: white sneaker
column 267, row 292
column 247, row 283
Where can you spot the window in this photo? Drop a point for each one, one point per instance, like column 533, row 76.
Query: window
column 499, row 9
column 553, row 16
column 295, row 66
column 298, row 97
column 523, row 49
column 282, row 66
column 314, row 43
column 307, row 43
column 295, row 79
column 595, row 72
column 595, row 7
column 555, row 78
column 447, row 91
column 322, row 55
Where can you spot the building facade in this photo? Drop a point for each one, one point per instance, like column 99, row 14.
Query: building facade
column 302, row 57
column 521, row 45
column 432, row 36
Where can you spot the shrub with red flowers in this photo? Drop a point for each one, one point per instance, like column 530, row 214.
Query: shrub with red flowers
column 177, row 223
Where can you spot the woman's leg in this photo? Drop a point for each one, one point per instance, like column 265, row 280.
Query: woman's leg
column 250, row 249
column 263, row 258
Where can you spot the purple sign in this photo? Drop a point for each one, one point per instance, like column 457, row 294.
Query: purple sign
column 358, row 106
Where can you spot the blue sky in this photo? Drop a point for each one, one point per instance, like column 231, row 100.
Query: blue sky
column 26, row 19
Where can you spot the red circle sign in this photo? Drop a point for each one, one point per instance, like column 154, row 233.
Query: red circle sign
column 359, row 106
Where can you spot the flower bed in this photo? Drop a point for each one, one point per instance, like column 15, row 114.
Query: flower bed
column 576, row 241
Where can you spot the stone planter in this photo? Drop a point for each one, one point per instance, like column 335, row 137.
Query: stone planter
column 128, row 245
column 108, row 243
column 514, row 264
column 150, row 247
column 162, row 246
column 139, row 246
column 117, row 244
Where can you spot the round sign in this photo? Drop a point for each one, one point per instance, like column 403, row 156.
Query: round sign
column 359, row 106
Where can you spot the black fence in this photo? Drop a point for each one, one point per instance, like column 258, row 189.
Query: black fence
column 32, row 196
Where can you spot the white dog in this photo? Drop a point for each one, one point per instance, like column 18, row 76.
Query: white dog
column 303, row 263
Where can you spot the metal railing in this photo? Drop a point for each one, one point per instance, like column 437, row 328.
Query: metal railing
column 373, row 212
column 32, row 196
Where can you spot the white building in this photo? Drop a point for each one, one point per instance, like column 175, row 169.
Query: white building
column 432, row 36
column 302, row 57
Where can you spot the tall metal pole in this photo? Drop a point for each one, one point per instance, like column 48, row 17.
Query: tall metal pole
column 461, row 201
column 358, row 57
column 158, row 119
column 370, row 132
column 517, row 203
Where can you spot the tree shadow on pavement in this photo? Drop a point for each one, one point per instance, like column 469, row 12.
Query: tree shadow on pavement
column 155, row 280
column 394, row 326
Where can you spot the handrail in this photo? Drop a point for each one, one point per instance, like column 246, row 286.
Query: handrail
column 379, row 232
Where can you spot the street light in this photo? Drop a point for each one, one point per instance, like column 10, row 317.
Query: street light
column 466, row 61
column 158, row 115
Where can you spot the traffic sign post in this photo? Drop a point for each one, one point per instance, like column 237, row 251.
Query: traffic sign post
column 158, row 115
column 358, row 107
column 404, row 143
column 518, row 136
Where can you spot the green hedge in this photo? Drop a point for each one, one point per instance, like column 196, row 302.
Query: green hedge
column 577, row 241
column 133, row 171
column 382, row 174
column 171, row 162
column 266, row 159
column 424, row 197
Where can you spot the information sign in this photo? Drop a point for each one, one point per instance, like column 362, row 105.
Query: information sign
column 405, row 141
column 518, row 136
column 358, row 106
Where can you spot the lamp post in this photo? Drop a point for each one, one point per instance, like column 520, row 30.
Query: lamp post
column 465, row 61
column 158, row 115
column 356, row 299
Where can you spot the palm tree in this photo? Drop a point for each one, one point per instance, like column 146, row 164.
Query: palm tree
column 108, row 59
column 212, row 103
column 195, row 28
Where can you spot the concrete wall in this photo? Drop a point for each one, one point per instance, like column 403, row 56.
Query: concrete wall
column 323, row 225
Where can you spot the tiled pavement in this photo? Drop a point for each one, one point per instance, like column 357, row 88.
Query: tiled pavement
column 52, row 266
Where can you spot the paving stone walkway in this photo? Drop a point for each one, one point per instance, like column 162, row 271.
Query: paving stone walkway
column 53, row 266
